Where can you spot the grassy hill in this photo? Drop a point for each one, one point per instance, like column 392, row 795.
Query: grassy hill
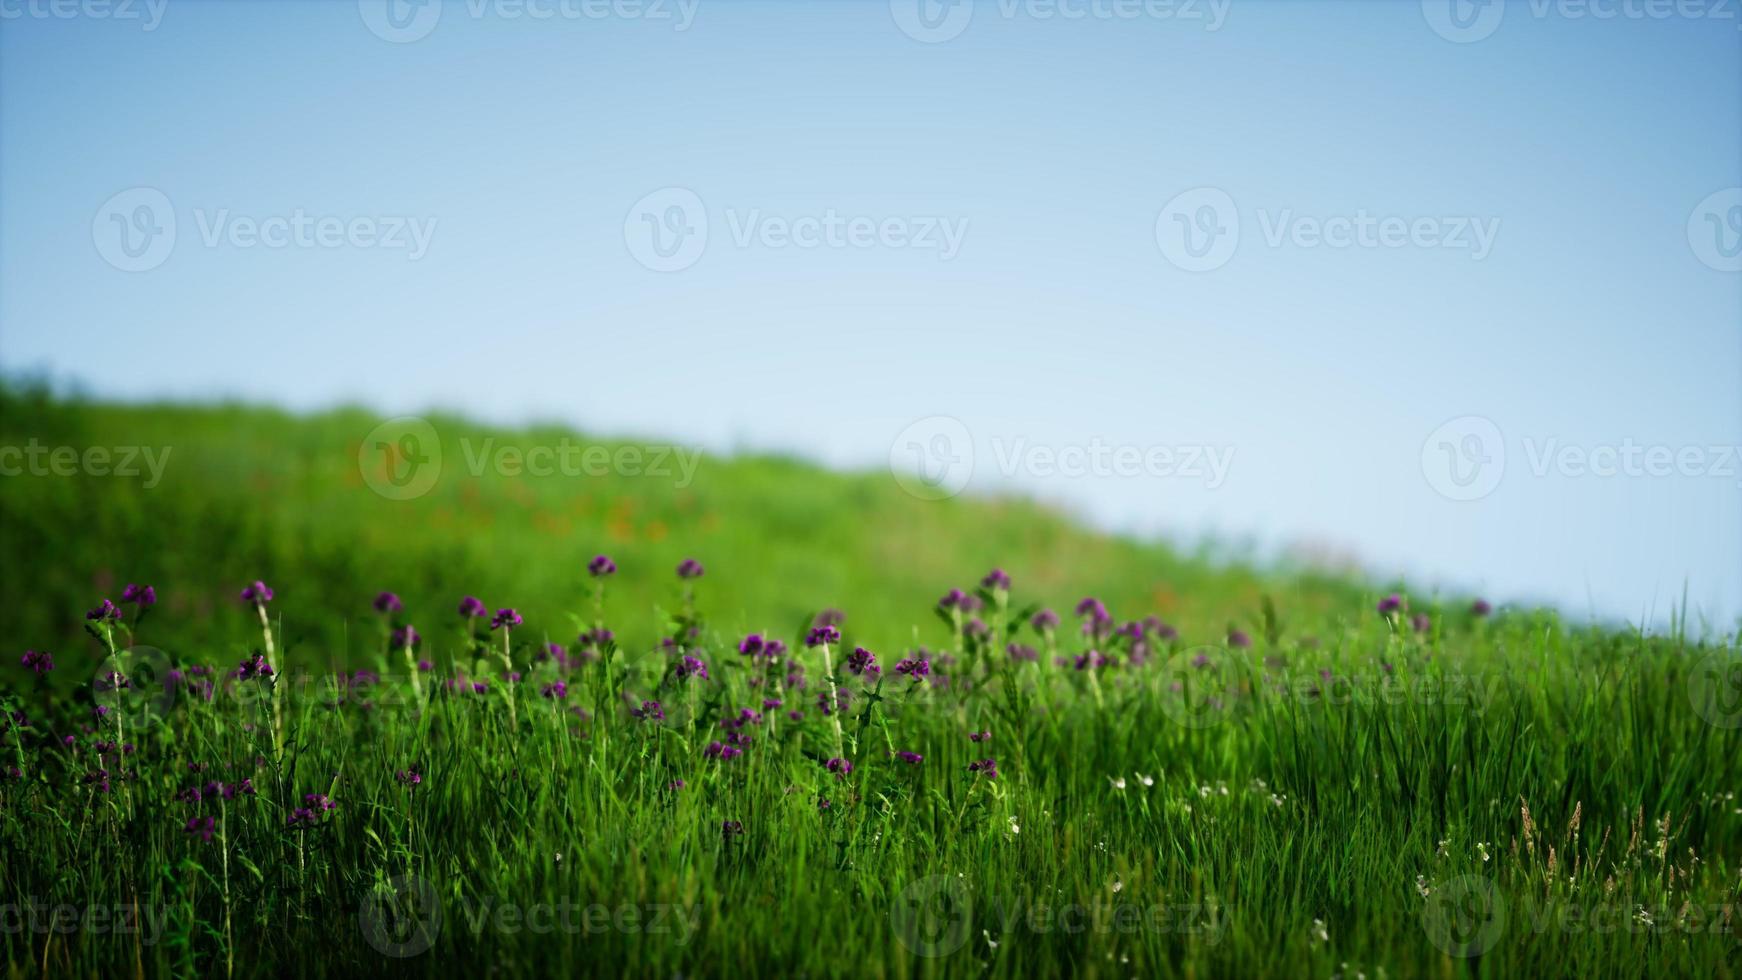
column 243, row 493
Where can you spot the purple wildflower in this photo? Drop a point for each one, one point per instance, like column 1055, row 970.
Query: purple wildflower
column 911, row 758
column 104, row 613
column 691, row 667
column 986, row 767
column 1092, row 608
column 1044, row 621
column 731, row 828
column 387, row 602
column 601, row 566
column 555, row 690
column 257, row 593
column 1022, row 653
column 1481, row 607
column 914, row 667
column 980, row 736
column 1238, row 638
column 996, row 580
column 820, row 635
column 689, row 568
column 406, row 636
column 1390, row 604
column 37, row 660
column 862, row 661
column 722, row 751
column 472, row 607
column 1421, row 622
column 201, row 827
column 254, row 667
column 411, row 778
column 506, row 617
column 143, row 596
column 829, row 617
column 649, row 711
column 752, row 645
column 840, row 767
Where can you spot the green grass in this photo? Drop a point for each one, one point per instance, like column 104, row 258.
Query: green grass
column 1251, row 816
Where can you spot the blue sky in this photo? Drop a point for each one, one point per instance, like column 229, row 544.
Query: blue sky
column 1472, row 277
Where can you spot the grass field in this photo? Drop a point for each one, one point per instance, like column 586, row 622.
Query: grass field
column 1203, row 770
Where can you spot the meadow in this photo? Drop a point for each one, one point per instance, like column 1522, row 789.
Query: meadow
column 261, row 721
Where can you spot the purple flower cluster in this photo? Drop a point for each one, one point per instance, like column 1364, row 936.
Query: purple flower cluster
column 722, row 751
column 691, row 667
column 689, row 568
column 143, row 596
column 601, row 566
column 387, row 602
column 201, row 827
column 1044, row 621
column 471, row 607
column 914, row 667
column 996, row 580
column 840, row 767
column 257, row 593
column 506, row 618
column 555, row 690
column 314, row 809
column 1391, row 604
column 254, row 667
column 107, row 612
column 649, row 711
column 820, row 635
column 37, row 660
column 911, row 758
column 406, row 636
column 862, row 661
column 985, row 767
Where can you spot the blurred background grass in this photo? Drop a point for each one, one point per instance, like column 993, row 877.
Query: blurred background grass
column 250, row 492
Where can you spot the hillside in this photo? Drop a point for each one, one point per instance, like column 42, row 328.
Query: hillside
column 217, row 496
